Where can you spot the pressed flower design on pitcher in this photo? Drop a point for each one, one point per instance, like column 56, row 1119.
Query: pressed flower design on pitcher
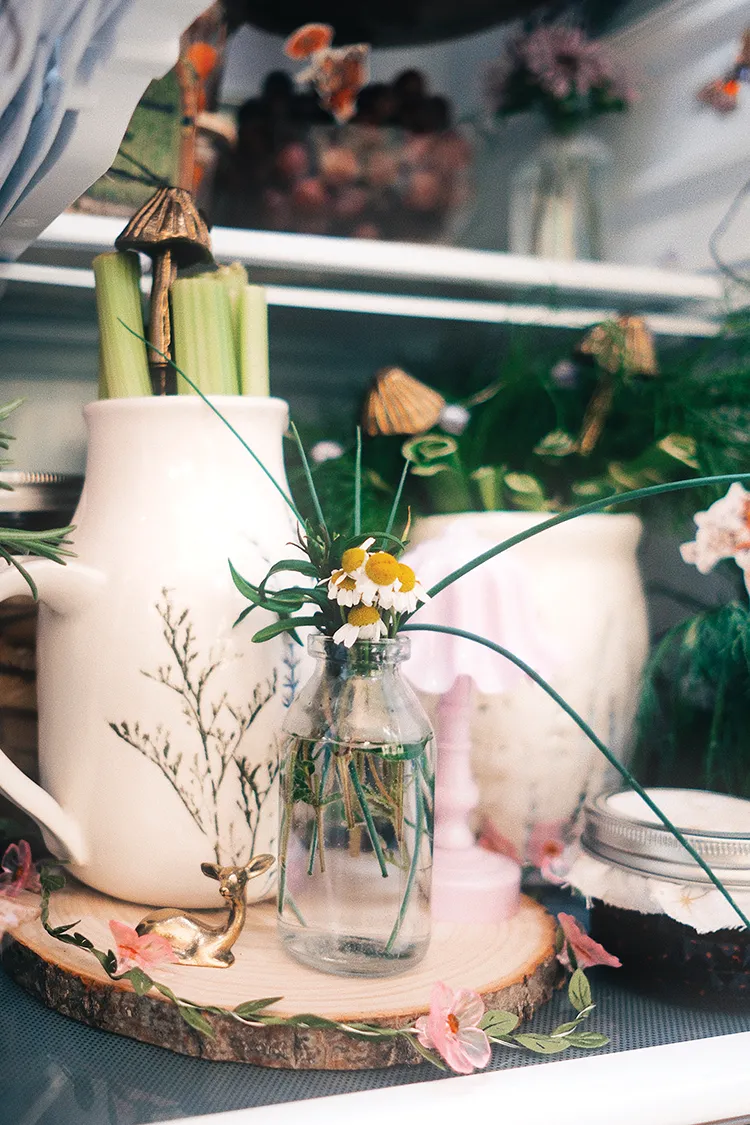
column 199, row 772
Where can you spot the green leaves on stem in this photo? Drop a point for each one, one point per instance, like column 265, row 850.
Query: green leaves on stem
column 590, row 734
column 499, row 1026
column 15, row 541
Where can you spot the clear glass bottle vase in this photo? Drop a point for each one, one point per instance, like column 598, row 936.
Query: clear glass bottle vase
column 357, row 797
column 554, row 204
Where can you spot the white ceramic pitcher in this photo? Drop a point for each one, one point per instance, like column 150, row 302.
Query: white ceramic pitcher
column 158, row 720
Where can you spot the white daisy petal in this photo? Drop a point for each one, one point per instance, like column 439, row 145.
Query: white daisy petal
column 346, row 635
column 373, row 632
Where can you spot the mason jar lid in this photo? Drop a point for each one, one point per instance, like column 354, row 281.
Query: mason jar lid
column 621, row 829
column 38, row 491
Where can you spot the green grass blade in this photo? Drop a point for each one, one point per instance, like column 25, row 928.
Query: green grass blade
column 309, row 479
column 590, row 734
column 397, row 499
column 358, row 484
column 584, row 509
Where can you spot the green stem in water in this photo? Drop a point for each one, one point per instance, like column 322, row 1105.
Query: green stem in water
column 286, row 822
column 584, row 509
column 418, row 829
column 316, row 825
column 613, row 761
column 368, row 818
column 295, row 909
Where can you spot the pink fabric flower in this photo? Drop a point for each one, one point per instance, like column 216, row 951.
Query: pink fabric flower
column 587, row 951
column 13, row 913
column 723, row 532
column 452, row 1028
column 17, row 871
column 547, row 849
column 493, row 841
column 136, row 951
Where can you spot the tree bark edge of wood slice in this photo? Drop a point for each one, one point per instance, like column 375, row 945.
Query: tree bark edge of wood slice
column 91, row 998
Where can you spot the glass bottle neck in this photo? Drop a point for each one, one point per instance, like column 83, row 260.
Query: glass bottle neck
column 363, row 657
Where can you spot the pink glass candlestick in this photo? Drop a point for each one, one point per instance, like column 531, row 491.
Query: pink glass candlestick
column 468, row 881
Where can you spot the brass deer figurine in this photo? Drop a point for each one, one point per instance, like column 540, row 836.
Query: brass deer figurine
column 194, row 941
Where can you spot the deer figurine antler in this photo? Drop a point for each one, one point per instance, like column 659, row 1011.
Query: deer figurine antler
column 194, row 941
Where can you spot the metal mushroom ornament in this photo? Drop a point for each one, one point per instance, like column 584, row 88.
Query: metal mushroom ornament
column 624, row 347
column 397, row 403
column 170, row 230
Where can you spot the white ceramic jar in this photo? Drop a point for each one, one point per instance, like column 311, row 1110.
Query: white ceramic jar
column 158, row 720
column 581, row 587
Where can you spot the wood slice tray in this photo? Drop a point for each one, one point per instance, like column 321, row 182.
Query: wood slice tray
column 512, row 966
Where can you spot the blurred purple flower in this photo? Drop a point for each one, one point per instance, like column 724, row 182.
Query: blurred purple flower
column 554, row 63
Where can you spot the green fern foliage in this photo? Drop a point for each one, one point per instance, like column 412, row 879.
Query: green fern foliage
column 693, row 728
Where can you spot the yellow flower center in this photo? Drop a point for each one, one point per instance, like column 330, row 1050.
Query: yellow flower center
column 363, row 615
column 382, row 568
column 343, row 583
column 406, row 577
column 452, row 1022
column 353, row 559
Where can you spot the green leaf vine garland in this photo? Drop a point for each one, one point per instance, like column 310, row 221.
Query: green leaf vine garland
column 499, row 1026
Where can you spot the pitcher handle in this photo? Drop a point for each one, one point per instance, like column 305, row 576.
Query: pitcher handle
column 64, row 589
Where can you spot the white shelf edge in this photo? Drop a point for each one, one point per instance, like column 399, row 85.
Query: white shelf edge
column 388, row 304
column 699, row 1082
column 400, row 260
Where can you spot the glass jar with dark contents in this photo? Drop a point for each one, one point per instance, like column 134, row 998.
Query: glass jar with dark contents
column 655, row 908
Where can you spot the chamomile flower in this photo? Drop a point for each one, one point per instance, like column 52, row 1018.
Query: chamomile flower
column 353, row 561
column 363, row 623
column 405, row 593
column 379, row 575
column 343, row 589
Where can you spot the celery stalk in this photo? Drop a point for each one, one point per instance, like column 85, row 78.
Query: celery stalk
column 123, row 366
column 253, row 341
column 203, row 340
column 234, row 280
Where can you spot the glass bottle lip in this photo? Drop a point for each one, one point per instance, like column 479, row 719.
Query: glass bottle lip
column 391, row 650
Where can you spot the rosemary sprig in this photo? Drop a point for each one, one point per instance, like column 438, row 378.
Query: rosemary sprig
column 51, row 544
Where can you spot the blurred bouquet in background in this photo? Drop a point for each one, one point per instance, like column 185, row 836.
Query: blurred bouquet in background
column 567, row 78
column 562, row 73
